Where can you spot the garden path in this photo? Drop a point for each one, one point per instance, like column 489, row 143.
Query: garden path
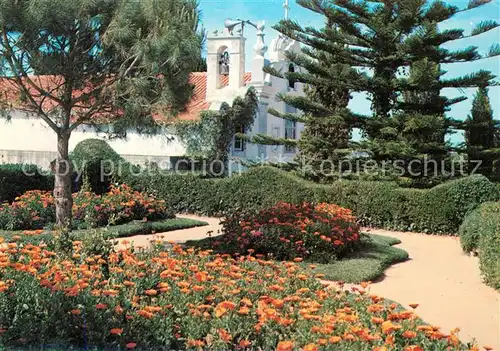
column 447, row 285
column 179, row 236
column 439, row 276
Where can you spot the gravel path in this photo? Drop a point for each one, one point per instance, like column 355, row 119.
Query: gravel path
column 444, row 281
column 447, row 285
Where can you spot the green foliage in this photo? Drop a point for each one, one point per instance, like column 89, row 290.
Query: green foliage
column 16, row 179
column 403, row 47
column 96, row 62
column 35, row 210
column 211, row 136
column 438, row 210
column 96, row 162
column 367, row 263
column 481, row 129
column 480, row 232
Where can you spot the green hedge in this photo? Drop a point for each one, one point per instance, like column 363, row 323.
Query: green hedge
column 16, row 179
column 480, row 232
column 91, row 157
column 439, row 210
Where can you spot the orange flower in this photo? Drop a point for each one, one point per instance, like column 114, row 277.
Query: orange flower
column 116, row 331
column 310, row 347
column 409, row 334
column 131, row 345
column 334, row 339
column 151, row 292
column 101, row 306
column 76, row 312
column 413, row 348
column 377, row 320
column 195, row 343
column 244, row 310
column 224, row 335
column 298, row 259
column 244, row 343
column 388, row 327
column 285, row 346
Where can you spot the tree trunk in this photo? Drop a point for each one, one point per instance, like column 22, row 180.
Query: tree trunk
column 62, row 186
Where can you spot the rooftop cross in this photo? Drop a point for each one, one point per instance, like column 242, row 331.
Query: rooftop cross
column 286, row 5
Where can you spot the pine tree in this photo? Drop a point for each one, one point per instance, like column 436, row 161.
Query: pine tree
column 380, row 41
column 480, row 135
column 325, row 141
column 104, row 58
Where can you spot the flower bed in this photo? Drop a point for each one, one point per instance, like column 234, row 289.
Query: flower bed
column 36, row 209
column 182, row 299
column 321, row 233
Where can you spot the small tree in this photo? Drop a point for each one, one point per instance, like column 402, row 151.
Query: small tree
column 480, row 130
column 210, row 137
column 99, row 59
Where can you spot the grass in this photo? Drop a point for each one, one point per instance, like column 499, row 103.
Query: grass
column 123, row 230
column 367, row 264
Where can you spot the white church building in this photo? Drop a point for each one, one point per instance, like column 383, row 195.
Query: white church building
column 25, row 138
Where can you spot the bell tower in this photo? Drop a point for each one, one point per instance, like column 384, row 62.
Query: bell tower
column 225, row 60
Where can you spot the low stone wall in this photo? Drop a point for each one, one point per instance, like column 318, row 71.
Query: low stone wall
column 43, row 158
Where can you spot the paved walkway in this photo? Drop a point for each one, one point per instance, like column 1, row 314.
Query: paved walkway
column 444, row 281
column 447, row 285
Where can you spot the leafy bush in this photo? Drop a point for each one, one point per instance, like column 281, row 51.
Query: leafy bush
column 320, row 233
column 480, row 232
column 16, row 179
column 36, row 209
column 98, row 163
column 438, row 210
column 181, row 299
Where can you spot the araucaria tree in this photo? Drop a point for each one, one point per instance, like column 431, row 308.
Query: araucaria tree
column 79, row 61
column 480, row 131
column 380, row 41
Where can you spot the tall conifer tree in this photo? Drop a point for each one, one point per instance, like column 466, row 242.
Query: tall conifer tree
column 379, row 42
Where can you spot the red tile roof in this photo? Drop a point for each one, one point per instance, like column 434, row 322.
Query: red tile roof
column 9, row 92
column 198, row 101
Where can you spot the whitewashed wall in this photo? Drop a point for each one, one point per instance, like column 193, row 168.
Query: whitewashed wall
column 27, row 139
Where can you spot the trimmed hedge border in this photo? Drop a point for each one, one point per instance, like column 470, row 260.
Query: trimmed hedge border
column 480, row 232
column 439, row 210
column 16, row 179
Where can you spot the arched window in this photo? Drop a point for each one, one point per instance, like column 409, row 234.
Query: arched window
column 291, row 82
column 224, row 63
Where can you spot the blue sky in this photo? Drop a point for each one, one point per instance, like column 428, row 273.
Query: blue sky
column 214, row 12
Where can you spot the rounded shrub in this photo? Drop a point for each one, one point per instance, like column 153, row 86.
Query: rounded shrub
column 319, row 233
column 489, row 253
column 95, row 161
column 480, row 232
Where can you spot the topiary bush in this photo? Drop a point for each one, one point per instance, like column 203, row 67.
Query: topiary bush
column 319, row 233
column 16, row 179
column 94, row 160
column 480, row 232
